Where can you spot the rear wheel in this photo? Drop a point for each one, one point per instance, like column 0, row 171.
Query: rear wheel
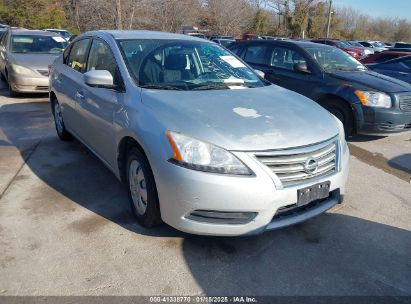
column 62, row 132
column 142, row 189
column 343, row 112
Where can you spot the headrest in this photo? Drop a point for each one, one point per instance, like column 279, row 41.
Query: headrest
column 175, row 62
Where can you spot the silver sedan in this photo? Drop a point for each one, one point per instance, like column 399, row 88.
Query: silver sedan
column 201, row 140
column 25, row 56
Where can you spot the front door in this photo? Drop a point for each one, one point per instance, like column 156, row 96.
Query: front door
column 99, row 105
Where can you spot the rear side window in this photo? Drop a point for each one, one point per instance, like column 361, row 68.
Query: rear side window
column 407, row 62
column 285, row 58
column 257, row 54
column 78, row 55
column 236, row 49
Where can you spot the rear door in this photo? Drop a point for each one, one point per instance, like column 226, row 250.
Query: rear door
column 99, row 104
column 69, row 83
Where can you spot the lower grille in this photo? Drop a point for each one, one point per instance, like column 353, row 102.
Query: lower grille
column 405, row 103
column 42, row 88
column 295, row 166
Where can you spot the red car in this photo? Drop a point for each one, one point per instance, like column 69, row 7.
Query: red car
column 384, row 56
column 249, row 37
column 354, row 51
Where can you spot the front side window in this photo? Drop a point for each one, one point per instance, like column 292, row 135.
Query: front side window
column 78, row 55
column 335, row 59
column 185, row 65
column 37, row 44
column 101, row 58
column 285, row 58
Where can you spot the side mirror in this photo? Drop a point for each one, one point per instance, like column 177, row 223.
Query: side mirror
column 99, row 78
column 302, row 68
column 260, row 73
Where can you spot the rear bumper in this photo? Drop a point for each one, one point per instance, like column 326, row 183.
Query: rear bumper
column 24, row 84
column 376, row 121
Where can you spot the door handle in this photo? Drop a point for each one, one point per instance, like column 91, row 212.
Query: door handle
column 80, row 96
column 403, row 73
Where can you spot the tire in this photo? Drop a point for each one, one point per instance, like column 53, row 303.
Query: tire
column 62, row 132
column 343, row 112
column 12, row 93
column 142, row 189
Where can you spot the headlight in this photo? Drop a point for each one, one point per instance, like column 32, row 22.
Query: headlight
column 374, row 99
column 18, row 69
column 198, row 155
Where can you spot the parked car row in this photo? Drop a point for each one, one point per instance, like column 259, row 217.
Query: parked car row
column 187, row 124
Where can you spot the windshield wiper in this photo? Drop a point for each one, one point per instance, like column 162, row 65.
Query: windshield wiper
column 221, row 86
column 160, row 87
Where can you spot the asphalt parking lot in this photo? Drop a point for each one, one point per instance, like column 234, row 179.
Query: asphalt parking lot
column 66, row 228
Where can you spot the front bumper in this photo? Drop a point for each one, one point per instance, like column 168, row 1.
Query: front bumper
column 378, row 121
column 182, row 191
column 28, row 84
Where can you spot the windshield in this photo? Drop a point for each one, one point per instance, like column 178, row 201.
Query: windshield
column 377, row 44
column 342, row 44
column 354, row 43
column 64, row 34
column 185, row 65
column 334, row 59
column 37, row 44
column 225, row 42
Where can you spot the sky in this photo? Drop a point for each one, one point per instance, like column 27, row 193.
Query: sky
column 380, row 8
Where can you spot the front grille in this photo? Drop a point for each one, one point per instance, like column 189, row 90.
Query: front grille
column 290, row 165
column 44, row 72
column 405, row 103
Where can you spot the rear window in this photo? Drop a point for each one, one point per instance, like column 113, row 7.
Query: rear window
column 37, row 44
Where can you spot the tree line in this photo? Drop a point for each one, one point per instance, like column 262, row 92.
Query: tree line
column 289, row 18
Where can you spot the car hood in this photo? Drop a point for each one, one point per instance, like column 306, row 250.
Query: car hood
column 33, row 61
column 254, row 119
column 373, row 80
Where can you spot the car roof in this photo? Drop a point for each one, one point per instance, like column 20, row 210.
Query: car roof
column 303, row 44
column 32, row 32
column 133, row 34
column 51, row 29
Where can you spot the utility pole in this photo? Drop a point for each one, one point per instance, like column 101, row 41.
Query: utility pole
column 119, row 21
column 329, row 18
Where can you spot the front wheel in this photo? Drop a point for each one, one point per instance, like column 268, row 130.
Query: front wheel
column 142, row 189
column 343, row 112
column 12, row 93
column 62, row 132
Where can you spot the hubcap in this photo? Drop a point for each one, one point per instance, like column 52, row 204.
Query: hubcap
column 58, row 118
column 138, row 188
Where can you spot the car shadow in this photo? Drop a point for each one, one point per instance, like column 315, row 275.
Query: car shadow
column 332, row 254
column 68, row 167
column 401, row 162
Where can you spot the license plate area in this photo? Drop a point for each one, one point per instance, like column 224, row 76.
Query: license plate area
column 312, row 193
